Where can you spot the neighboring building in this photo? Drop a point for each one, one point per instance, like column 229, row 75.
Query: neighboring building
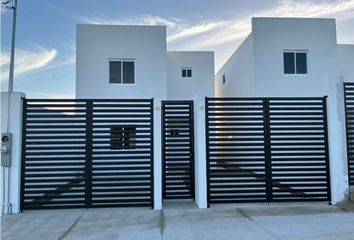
column 291, row 57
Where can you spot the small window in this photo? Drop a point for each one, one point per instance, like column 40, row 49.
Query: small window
column 121, row 71
column 123, row 137
column 223, row 79
column 295, row 62
column 186, row 72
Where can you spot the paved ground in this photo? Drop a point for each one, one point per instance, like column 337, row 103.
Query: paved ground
column 242, row 222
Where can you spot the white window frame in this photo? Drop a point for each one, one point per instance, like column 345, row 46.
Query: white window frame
column 186, row 68
column 307, row 61
column 121, row 67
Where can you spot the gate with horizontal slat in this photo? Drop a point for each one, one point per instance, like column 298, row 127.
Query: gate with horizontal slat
column 177, row 149
column 349, row 122
column 267, row 150
column 87, row 153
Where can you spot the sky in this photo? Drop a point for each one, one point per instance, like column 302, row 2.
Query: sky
column 45, row 36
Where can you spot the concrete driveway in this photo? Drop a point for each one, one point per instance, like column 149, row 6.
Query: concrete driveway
column 317, row 221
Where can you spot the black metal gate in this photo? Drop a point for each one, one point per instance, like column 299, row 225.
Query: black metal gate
column 349, row 121
column 178, row 149
column 267, row 149
column 87, row 153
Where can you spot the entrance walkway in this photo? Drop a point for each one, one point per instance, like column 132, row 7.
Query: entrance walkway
column 317, row 221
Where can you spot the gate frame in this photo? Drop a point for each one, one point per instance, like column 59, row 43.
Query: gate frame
column 88, row 147
column 191, row 122
column 267, row 143
column 345, row 84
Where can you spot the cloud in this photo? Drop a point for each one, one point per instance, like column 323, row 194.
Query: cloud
column 27, row 60
column 217, row 32
column 172, row 24
column 223, row 35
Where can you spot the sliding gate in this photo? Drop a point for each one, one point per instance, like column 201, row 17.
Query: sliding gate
column 87, row 153
column 349, row 120
column 267, row 150
column 177, row 149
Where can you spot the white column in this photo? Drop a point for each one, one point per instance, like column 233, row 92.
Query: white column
column 15, row 128
column 157, row 155
column 200, row 152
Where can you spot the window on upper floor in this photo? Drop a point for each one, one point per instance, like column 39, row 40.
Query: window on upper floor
column 121, row 71
column 186, row 72
column 295, row 62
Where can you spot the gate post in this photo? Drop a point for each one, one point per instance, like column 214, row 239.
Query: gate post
column 325, row 127
column 88, row 154
column 267, row 150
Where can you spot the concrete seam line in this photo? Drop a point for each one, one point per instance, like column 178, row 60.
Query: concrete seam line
column 240, row 211
column 162, row 223
column 70, row 228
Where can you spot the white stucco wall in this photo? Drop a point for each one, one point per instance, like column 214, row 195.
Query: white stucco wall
column 202, row 81
column 96, row 44
column 274, row 35
column 239, row 72
column 15, row 128
column 346, row 62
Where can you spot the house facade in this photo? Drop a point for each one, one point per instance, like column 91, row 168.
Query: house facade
column 284, row 57
column 132, row 62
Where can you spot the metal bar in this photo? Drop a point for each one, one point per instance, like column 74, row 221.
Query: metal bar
column 23, row 153
column 152, row 202
column 88, row 154
column 325, row 125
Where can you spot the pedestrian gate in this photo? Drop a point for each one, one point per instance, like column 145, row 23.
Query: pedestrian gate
column 349, row 120
column 267, row 150
column 87, row 153
column 178, row 149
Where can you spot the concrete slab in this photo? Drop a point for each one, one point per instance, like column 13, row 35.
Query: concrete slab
column 243, row 221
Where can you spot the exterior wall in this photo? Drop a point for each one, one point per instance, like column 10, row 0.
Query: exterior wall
column 239, row 72
column 15, row 128
column 346, row 62
column 274, row 35
column 202, row 81
column 95, row 44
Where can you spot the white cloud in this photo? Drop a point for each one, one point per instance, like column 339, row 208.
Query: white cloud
column 172, row 24
column 223, row 35
column 27, row 60
column 217, row 35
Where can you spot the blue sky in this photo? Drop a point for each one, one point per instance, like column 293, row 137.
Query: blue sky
column 45, row 43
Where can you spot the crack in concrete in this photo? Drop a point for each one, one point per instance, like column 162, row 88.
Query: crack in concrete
column 162, row 223
column 240, row 211
column 70, row 228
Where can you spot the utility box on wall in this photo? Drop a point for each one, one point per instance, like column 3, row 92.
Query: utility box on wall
column 6, row 143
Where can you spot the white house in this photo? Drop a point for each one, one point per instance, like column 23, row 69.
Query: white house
column 114, row 61
column 295, row 57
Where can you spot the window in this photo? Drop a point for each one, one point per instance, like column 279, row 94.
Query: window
column 123, row 137
column 186, row 72
column 223, row 79
column 121, row 71
column 295, row 62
